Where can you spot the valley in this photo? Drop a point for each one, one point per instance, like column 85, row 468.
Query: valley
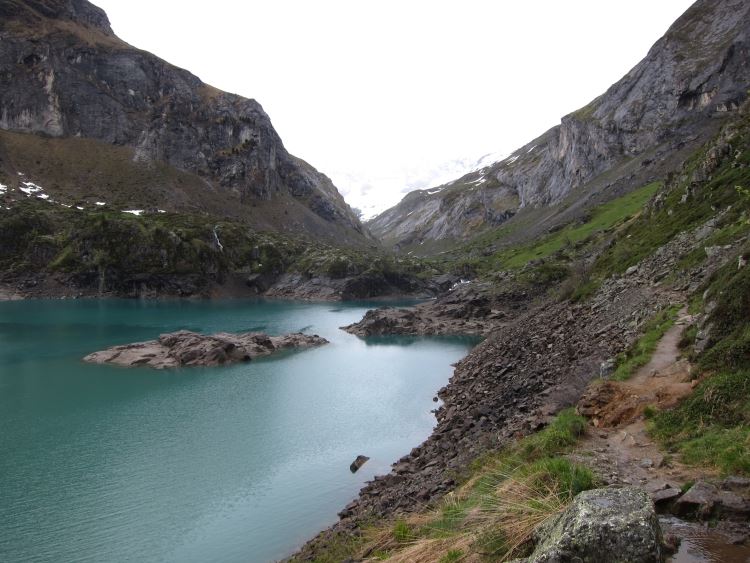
column 593, row 289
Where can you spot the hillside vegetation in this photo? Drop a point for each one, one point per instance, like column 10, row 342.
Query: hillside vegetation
column 111, row 249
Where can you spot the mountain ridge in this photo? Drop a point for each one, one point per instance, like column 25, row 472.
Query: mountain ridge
column 668, row 101
column 65, row 74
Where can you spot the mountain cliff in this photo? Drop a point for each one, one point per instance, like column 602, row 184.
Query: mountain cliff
column 671, row 102
column 168, row 139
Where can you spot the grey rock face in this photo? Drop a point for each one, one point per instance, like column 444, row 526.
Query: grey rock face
column 186, row 348
column 614, row 525
column 63, row 73
column 676, row 96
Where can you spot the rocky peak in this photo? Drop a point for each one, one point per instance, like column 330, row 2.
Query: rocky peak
column 64, row 74
column 35, row 12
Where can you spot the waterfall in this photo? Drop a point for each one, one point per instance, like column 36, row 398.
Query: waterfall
column 216, row 238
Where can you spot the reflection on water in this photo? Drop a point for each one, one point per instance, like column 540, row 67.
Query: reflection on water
column 703, row 544
column 469, row 341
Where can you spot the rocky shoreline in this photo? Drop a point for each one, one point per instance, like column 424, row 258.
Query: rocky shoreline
column 185, row 348
column 538, row 357
column 286, row 286
column 8, row 294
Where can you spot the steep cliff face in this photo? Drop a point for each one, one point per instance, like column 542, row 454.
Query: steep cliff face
column 674, row 98
column 64, row 74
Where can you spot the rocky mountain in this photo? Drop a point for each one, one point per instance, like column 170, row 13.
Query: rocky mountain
column 671, row 102
column 92, row 118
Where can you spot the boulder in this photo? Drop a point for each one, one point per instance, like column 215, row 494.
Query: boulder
column 699, row 501
column 613, row 525
column 664, row 496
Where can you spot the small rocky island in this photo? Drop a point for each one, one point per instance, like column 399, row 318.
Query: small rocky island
column 186, row 348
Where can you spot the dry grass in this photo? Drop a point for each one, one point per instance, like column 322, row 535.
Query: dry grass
column 500, row 527
column 434, row 549
column 519, row 506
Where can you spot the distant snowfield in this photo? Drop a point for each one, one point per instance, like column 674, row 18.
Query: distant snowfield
column 391, row 188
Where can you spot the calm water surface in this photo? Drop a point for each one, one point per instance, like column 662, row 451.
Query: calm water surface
column 229, row 464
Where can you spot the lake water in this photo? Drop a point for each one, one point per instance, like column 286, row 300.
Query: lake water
column 228, row 464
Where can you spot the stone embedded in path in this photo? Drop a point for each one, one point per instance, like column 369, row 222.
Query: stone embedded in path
column 186, row 348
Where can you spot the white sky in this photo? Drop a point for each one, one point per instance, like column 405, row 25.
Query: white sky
column 388, row 96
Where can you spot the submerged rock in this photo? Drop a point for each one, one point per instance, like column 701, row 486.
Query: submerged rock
column 186, row 348
column 614, row 525
column 357, row 463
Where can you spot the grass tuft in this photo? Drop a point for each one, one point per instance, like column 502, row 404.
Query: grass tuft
column 711, row 427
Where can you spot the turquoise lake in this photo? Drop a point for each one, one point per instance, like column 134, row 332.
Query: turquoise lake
column 227, row 464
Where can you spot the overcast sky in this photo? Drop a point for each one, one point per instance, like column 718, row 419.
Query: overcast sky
column 388, row 96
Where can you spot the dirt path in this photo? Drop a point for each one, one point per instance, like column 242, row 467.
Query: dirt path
column 618, row 447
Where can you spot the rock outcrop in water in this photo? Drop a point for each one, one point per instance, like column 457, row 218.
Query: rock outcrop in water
column 186, row 348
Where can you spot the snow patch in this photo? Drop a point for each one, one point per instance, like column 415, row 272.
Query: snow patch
column 30, row 188
column 488, row 160
column 161, row 211
column 100, row 203
column 136, row 212
column 43, row 196
column 531, row 149
column 79, row 208
column 21, row 174
column 66, row 205
column 3, row 189
column 459, row 283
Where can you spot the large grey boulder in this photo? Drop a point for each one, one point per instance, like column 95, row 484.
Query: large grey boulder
column 612, row 525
